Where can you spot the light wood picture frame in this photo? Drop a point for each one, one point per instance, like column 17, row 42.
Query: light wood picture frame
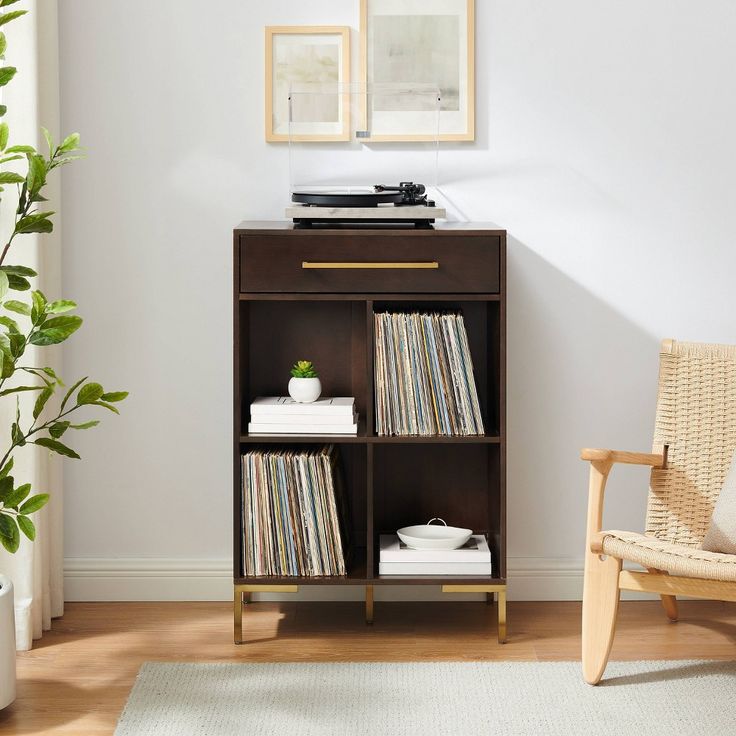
column 306, row 55
column 426, row 42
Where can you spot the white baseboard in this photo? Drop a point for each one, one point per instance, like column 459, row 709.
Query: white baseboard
column 167, row 579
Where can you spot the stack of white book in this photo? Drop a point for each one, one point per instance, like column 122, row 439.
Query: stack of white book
column 283, row 415
column 395, row 558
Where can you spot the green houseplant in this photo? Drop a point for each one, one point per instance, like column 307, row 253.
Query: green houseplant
column 29, row 318
column 304, row 385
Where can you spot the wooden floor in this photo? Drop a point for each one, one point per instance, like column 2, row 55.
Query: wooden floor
column 77, row 678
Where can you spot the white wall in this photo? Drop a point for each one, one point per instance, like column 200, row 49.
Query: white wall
column 605, row 145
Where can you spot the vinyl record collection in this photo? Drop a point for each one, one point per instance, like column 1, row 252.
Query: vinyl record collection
column 424, row 383
column 293, row 512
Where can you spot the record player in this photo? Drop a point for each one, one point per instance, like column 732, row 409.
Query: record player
column 406, row 203
column 330, row 179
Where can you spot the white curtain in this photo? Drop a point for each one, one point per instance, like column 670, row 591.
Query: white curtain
column 32, row 98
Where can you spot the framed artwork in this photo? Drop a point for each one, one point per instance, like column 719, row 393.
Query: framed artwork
column 426, row 43
column 310, row 56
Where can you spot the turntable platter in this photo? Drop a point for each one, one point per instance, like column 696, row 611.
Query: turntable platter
column 346, row 198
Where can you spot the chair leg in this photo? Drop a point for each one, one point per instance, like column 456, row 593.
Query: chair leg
column 669, row 602
column 600, row 605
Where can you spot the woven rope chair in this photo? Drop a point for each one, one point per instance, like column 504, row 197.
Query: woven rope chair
column 694, row 441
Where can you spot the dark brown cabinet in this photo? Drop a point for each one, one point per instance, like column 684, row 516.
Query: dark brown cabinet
column 312, row 293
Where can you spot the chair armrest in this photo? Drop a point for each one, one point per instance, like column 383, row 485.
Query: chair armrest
column 601, row 462
column 655, row 460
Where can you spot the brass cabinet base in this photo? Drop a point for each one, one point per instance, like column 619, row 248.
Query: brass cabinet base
column 489, row 590
column 242, row 595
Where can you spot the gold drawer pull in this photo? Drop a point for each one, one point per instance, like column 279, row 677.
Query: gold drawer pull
column 370, row 264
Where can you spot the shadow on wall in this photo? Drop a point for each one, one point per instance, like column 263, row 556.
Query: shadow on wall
column 579, row 375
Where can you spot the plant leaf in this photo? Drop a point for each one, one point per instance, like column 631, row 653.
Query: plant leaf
column 10, row 323
column 17, row 435
column 38, row 312
column 61, row 305
column 6, row 485
column 9, row 534
column 70, row 143
column 43, row 397
column 18, row 389
column 34, row 503
column 50, row 372
column 21, row 149
column 18, row 283
column 18, row 307
column 71, row 391
column 3, row 40
column 17, row 344
column 4, row 135
column 6, row 469
column 90, row 393
column 58, row 428
column 16, row 497
column 36, row 223
column 4, row 284
column 85, row 425
column 8, row 366
column 27, row 527
column 56, row 446
column 7, row 17
column 6, row 74
column 107, row 406
column 114, row 396
column 3, row 3
column 56, row 330
column 18, row 270
column 37, row 170
column 49, row 139
column 10, row 177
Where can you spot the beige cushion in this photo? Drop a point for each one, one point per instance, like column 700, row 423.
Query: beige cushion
column 674, row 558
column 721, row 534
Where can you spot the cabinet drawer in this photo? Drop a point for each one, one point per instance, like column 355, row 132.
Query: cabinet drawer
column 369, row 263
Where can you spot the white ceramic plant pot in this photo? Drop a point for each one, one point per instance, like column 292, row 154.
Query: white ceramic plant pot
column 7, row 643
column 305, row 390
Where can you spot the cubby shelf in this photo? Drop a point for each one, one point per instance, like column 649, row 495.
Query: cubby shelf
column 254, row 439
column 283, row 312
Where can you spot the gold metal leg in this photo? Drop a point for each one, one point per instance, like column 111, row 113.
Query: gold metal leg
column 369, row 604
column 489, row 590
column 502, row 616
column 238, row 615
column 242, row 595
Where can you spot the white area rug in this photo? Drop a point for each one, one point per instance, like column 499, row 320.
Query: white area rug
column 433, row 699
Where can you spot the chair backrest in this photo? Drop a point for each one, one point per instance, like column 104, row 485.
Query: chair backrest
column 696, row 420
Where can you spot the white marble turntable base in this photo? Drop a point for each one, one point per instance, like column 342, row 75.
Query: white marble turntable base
column 381, row 212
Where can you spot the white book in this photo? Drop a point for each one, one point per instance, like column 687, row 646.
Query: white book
column 475, row 550
column 298, row 429
column 267, row 406
column 434, row 568
column 299, row 419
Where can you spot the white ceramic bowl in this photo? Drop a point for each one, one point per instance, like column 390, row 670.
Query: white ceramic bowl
column 429, row 536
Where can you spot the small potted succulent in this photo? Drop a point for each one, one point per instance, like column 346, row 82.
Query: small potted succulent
column 304, row 386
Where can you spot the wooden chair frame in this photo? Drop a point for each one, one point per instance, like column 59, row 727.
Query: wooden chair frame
column 604, row 577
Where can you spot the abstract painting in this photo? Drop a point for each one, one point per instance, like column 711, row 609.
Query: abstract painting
column 306, row 69
column 411, row 48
